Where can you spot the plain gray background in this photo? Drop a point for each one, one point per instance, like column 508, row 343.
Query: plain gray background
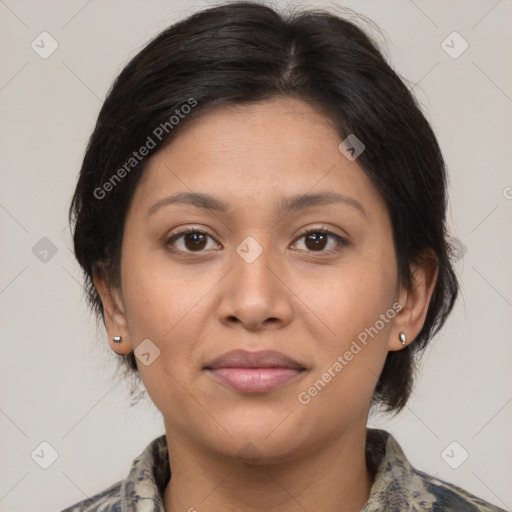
column 56, row 371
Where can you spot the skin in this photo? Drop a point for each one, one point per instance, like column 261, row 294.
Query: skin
column 309, row 304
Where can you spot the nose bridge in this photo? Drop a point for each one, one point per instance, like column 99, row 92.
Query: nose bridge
column 254, row 292
column 252, row 259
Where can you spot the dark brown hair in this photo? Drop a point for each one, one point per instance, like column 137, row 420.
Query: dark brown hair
column 245, row 52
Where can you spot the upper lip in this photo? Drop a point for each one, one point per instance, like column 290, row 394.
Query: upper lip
column 245, row 359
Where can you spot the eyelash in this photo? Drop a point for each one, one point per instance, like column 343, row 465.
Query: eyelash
column 342, row 242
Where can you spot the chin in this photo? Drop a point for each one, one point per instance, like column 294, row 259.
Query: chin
column 264, row 436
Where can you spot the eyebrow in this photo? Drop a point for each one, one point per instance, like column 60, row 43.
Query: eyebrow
column 285, row 206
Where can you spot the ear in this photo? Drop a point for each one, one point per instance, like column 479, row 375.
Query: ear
column 113, row 311
column 415, row 300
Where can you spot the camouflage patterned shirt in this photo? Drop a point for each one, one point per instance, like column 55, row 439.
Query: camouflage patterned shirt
column 398, row 486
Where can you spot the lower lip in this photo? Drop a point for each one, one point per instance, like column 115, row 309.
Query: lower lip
column 255, row 380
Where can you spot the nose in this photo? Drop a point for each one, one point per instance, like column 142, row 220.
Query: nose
column 254, row 294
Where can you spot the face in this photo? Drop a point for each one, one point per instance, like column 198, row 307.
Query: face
column 308, row 281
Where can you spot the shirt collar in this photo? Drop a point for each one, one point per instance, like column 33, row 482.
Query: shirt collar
column 144, row 487
column 396, row 483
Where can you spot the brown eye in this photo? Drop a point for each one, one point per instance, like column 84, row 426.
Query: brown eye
column 317, row 240
column 192, row 240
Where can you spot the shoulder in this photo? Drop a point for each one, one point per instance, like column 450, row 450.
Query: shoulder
column 400, row 486
column 108, row 500
column 450, row 497
column 146, row 481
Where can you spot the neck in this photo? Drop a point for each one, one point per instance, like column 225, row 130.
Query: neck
column 332, row 478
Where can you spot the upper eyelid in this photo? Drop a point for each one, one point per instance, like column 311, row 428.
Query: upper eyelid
column 320, row 228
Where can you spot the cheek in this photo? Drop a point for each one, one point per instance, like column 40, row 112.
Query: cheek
column 356, row 306
column 165, row 312
column 163, row 305
column 349, row 298
column 349, row 362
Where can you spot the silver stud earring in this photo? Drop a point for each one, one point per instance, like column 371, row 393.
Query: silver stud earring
column 117, row 339
column 402, row 337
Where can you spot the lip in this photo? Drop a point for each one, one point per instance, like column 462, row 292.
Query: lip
column 254, row 372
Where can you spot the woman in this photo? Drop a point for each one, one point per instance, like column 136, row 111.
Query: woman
column 260, row 217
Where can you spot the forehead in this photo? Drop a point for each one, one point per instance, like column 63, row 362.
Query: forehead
column 263, row 128
column 260, row 153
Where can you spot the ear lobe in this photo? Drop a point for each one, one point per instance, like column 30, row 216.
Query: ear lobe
column 113, row 310
column 415, row 300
